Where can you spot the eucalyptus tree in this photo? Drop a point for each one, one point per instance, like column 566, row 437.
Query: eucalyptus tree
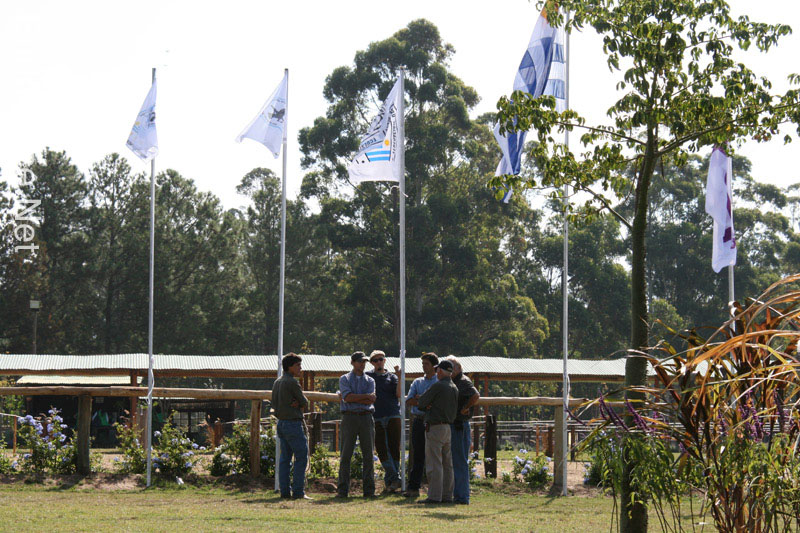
column 455, row 265
column 681, row 90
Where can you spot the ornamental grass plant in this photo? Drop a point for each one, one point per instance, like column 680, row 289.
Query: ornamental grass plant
column 722, row 421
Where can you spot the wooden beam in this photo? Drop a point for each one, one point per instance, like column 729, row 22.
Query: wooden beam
column 84, row 424
column 255, row 438
column 240, row 394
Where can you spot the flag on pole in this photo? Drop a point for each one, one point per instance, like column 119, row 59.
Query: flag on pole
column 143, row 140
column 719, row 206
column 269, row 126
column 378, row 157
column 542, row 71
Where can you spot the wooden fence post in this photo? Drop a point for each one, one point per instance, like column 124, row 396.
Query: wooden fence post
column 490, row 447
column 84, row 425
column 336, row 436
column 549, row 448
column 15, row 435
column 476, row 437
column 316, row 431
column 255, row 438
column 559, row 448
column 573, row 441
column 219, row 430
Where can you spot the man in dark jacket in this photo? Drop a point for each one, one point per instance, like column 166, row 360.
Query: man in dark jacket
column 460, row 438
column 388, row 425
column 288, row 402
column 440, row 403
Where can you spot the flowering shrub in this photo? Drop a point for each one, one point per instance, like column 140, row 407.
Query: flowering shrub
column 319, row 464
column 50, row 451
column 233, row 455
column 533, row 471
column 134, row 457
column 473, row 466
column 173, row 453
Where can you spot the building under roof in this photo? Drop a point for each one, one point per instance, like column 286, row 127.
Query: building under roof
column 134, row 365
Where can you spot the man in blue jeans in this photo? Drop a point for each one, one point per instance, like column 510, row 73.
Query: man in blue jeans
column 460, row 438
column 288, row 402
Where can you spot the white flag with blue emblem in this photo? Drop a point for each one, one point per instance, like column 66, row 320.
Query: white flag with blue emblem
column 720, row 207
column 378, row 157
column 542, row 71
column 143, row 140
column 269, row 126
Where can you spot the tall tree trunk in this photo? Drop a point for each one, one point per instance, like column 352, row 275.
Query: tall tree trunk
column 633, row 516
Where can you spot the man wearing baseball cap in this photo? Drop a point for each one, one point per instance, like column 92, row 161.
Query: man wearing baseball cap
column 358, row 396
column 440, row 403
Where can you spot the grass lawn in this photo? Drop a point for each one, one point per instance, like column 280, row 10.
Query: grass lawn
column 33, row 507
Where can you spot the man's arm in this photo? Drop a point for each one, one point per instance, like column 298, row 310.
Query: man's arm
column 351, row 397
column 470, row 403
column 298, row 397
column 411, row 399
column 428, row 396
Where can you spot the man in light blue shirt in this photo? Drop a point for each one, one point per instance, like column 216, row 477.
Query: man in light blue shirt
column 357, row 391
column 418, row 388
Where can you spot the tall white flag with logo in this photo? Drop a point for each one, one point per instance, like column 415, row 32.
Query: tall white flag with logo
column 542, row 71
column 269, row 126
column 143, row 140
column 378, row 157
column 720, row 206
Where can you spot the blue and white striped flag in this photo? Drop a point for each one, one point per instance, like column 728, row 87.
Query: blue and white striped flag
column 542, row 71
column 720, row 206
column 378, row 157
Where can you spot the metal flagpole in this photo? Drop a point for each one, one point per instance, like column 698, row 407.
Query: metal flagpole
column 149, row 435
column 565, row 304
column 401, row 121
column 283, row 265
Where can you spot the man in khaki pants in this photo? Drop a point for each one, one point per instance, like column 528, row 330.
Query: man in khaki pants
column 440, row 403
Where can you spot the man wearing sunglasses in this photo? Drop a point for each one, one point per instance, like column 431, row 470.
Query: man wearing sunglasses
column 387, row 419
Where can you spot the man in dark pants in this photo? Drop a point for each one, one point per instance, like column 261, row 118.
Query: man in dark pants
column 288, row 402
column 387, row 419
column 358, row 396
column 460, row 437
column 440, row 403
column 417, row 389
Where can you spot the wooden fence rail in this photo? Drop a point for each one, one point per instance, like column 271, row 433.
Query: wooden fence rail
column 85, row 395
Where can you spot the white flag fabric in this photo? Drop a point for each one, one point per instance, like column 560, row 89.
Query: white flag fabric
column 542, row 71
column 378, row 157
column 269, row 126
column 720, row 207
column 143, row 140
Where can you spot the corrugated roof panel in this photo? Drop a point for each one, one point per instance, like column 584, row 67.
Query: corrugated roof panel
column 78, row 381
column 326, row 364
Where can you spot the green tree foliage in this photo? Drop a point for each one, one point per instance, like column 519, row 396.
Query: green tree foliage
column 681, row 90
column 460, row 297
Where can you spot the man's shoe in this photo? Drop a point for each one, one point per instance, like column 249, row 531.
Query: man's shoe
column 411, row 493
column 302, row 497
column 395, row 485
column 286, row 496
column 461, row 502
column 428, row 500
column 369, row 496
column 341, row 496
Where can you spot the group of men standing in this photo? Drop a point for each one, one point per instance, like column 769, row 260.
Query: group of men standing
column 441, row 404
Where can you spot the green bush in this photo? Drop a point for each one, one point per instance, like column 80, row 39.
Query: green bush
column 533, row 471
column 319, row 464
column 173, row 453
column 233, row 455
column 50, row 452
column 7, row 464
column 134, row 457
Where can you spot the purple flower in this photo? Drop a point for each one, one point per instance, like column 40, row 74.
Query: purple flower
column 637, row 418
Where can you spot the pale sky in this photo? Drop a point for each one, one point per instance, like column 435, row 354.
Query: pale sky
column 74, row 74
